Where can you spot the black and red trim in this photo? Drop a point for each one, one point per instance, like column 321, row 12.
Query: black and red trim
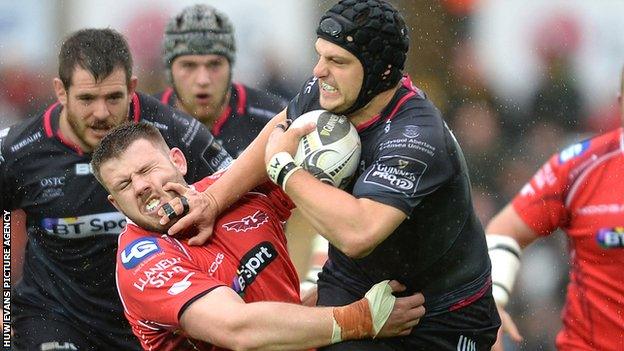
column 241, row 102
column 405, row 83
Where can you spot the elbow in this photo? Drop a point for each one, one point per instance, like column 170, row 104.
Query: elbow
column 359, row 245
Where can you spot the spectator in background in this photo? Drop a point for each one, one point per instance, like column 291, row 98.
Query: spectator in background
column 199, row 55
column 581, row 191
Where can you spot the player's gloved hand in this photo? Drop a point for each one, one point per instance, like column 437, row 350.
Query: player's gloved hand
column 378, row 314
column 507, row 326
column 202, row 212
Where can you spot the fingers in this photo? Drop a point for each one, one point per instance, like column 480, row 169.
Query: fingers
column 177, row 187
column 510, row 327
column 396, row 286
column 200, row 238
column 175, row 208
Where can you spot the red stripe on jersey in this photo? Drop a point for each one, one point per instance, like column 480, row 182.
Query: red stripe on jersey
column 166, row 96
column 407, row 83
column 470, row 299
column 242, row 98
column 137, row 108
column 47, row 123
column 216, row 129
column 69, row 143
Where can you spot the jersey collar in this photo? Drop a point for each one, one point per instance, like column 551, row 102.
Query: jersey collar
column 404, row 93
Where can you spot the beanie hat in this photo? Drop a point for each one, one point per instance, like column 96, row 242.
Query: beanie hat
column 375, row 33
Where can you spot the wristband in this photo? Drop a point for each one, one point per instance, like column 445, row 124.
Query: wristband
column 276, row 166
column 504, row 254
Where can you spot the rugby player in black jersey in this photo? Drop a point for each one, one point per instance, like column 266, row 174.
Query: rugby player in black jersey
column 407, row 216
column 199, row 52
column 67, row 298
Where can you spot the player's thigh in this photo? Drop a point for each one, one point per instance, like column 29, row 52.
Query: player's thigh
column 43, row 332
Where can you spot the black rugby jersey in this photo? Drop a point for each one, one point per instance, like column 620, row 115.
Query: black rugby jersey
column 72, row 227
column 410, row 160
column 248, row 111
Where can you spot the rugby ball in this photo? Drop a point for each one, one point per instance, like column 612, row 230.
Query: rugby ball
column 331, row 152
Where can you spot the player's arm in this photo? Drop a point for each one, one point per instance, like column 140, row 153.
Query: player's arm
column 355, row 226
column 222, row 318
column 247, row 171
column 507, row 235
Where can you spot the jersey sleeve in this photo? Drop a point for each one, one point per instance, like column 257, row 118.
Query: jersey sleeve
column 410, row 162
column 156, row 281
column 306, row 100
column 541, row 202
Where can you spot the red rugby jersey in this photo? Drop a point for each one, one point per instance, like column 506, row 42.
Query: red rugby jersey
column 157, row 276
column 581, row 191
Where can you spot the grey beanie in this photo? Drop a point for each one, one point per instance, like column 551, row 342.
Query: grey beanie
column 199, row 30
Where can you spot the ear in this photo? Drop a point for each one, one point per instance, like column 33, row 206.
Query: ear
column 134, row 81
column 177, row 157
column 111, row 199
column 60, row 91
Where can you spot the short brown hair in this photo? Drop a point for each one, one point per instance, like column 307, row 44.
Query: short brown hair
column 119, row 139
column 99, row 51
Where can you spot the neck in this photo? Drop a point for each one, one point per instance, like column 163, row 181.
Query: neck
column 374, row 107
column 208, row 119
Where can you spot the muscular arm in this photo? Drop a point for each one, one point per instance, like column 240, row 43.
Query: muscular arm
column 355, row 226
column 224, row 319
column 507, row 222
column 247, row 171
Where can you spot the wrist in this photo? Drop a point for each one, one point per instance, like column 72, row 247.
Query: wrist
column 280, row 167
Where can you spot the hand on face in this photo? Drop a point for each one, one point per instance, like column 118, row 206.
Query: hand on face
column 202, row 212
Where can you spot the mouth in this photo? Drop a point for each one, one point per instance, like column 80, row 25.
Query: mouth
column 328, row 89
column 152, row 205
column 100, row 131
column 202, row 98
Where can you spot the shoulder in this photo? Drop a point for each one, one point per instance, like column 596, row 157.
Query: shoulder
column 164, row 117
column 21, row 138
column 260, row 100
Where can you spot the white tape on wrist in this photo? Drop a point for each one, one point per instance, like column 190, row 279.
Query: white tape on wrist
column 504, row 254
column 276, row 166
column 381, row 302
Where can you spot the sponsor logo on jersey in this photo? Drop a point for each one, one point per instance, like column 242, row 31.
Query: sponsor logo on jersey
column 466, row 344
column 138, row 250
column 83, row 169
column 611, row 238
column 158, row 125
column 409, row 143
column 398, row 173
column 26, row 141
column 180, row 286
column 215, row 264
column 545, row 176
column 573, row 151
column 160, row 273
column 600, row 209
column 51, row 187
column 309, row 85
column 411, row 132
column 254, row 262
column 246, row 223
column 85, row 226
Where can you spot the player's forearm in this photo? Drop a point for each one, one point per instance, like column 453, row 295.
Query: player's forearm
column 247, row 171
column 335, row 214
column 277, row 326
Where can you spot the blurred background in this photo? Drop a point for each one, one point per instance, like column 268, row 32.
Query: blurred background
column 516, row 81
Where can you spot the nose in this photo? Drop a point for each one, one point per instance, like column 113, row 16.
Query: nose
column 320, row 70
column 203, row 76
column 100, row 109
column 140, row 185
